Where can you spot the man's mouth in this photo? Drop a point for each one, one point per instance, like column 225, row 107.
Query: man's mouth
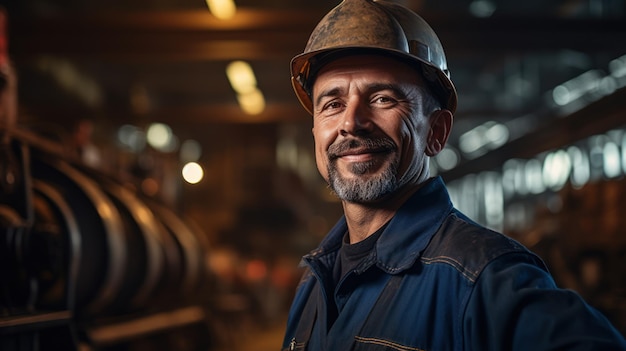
column 356, row 149
column 360, row 153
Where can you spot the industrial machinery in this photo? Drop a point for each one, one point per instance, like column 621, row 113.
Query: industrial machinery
column 89, row 263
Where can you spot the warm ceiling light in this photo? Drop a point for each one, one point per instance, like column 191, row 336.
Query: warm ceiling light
column 192, row 173
column 252, row 103
column 241, row 77
column 222, row 9
column 243, row 81
column 159, row 136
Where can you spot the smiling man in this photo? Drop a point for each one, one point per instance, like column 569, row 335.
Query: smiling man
column 373, row 136
column 403, row 269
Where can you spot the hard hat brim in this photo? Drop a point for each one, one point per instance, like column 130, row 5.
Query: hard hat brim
column 303, row 74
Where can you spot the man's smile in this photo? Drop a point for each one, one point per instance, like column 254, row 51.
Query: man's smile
column 360, row 150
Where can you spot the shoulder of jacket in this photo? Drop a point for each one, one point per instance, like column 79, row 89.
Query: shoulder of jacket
column 469, row 247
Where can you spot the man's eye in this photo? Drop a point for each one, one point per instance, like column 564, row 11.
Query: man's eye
column 332, row 105
column 383, row 100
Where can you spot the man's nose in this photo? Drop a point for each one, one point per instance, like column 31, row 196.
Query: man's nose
column 357, row 120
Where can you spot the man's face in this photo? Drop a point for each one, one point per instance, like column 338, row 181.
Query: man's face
column 369, row 127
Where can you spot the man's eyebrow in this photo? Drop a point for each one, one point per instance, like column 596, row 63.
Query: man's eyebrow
column 396, row 89
column 374, row 87
column 329, row 92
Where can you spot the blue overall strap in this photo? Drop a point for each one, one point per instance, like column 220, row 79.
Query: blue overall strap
column 305, row 324
column 380, row 307
column 309, row 313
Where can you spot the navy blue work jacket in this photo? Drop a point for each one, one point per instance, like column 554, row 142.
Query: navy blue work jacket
column 438, row 281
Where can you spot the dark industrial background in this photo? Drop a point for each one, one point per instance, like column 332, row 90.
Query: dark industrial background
column 538, row 151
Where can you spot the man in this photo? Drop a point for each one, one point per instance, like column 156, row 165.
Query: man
column 403, row 269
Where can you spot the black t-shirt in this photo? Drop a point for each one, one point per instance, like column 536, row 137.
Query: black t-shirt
column 350, row 255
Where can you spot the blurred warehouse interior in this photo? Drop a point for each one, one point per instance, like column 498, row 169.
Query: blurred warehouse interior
column 186, row 112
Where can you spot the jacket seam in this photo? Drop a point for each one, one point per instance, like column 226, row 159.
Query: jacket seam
column 385, row 343
column 458, row 266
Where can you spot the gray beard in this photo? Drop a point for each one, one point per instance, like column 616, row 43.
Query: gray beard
column 361, row 190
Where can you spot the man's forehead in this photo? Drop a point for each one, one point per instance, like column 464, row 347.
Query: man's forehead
column 382, row 70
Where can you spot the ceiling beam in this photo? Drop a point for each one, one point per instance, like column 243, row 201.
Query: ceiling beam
column 257, row 34
column 156, row 36
column 184, row 115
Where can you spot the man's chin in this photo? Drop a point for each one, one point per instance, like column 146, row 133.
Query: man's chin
column 357, row 170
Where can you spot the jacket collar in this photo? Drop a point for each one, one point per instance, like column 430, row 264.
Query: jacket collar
column 407, row 234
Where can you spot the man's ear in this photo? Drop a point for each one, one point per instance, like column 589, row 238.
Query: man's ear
column 440, row 126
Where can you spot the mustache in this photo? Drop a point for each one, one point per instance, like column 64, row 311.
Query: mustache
column 379, row 145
